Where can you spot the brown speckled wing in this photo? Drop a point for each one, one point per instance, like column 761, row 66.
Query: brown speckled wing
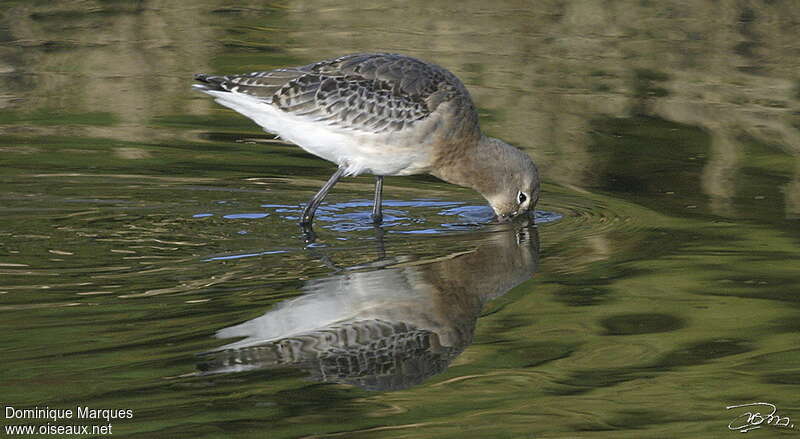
column 364, row 92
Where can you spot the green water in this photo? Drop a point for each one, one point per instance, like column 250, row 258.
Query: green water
column 150, row 258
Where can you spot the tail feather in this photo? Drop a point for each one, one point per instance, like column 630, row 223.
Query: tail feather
column 260, row 85
column 210, row 82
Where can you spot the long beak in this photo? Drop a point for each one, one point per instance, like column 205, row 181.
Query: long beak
column 504, row 218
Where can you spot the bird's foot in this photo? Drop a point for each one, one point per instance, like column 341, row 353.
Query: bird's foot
column 308, row 232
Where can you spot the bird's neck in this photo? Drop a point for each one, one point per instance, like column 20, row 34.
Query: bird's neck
column 471, row 164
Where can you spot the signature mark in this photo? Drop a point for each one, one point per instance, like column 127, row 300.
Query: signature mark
column 752, row 419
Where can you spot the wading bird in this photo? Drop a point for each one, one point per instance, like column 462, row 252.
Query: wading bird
column 384, row 114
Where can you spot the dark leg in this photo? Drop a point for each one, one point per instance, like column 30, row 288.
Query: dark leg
column 316, row 200
column 377, row 216
column 379, row 242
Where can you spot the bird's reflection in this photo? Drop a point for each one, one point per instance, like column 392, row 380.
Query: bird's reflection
column 387, row 328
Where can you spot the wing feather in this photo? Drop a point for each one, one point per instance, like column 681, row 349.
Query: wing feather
column 362, row 92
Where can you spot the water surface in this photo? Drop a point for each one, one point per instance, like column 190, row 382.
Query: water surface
column 150, row 258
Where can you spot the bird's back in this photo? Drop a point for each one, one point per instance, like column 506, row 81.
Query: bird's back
column 366, row 92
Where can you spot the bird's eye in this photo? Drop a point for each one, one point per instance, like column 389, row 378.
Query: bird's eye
column 521, row 197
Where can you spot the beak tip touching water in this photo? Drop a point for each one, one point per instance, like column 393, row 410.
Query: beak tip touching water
column 505, row 217
column 508, row 217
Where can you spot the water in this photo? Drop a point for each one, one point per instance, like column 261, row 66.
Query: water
column 150, row 259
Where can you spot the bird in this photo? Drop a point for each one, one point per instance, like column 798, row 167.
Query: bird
column 384, row 114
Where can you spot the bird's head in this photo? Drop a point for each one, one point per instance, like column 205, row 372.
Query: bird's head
column 515, row 189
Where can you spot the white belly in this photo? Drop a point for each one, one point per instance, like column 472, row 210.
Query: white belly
column 358, row 152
